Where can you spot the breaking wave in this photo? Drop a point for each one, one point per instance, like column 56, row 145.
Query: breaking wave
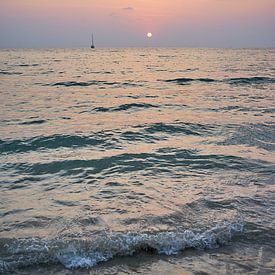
column 87, row 252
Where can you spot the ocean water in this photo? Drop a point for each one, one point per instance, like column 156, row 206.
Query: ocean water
column 137, row 161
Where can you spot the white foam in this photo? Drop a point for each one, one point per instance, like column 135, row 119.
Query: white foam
column 84, row 253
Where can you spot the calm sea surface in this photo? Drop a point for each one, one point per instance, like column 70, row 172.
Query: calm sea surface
column 137, row 161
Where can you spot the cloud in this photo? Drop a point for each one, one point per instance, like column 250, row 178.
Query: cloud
column 118, row 14
column 128, row 8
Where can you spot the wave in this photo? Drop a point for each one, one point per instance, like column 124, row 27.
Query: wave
column 134, row 137
column 231, row 81
column 166, row 160
column 95, row 83
column 257, row 135
column 249, row 80
column 147, row 133
column 27, row 65
column 179, row 128
column 125, row 107
column 41, row 121
column 182, row 81
column 81, row 84
column 50, row 142
column 87, row 252
column 10, row 73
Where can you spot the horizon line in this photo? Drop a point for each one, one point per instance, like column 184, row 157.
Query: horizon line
column 140, row 47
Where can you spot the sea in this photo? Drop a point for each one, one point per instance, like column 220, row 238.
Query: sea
column 137, row 161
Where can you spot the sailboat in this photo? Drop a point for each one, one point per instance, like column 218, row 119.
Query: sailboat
column 92, row 45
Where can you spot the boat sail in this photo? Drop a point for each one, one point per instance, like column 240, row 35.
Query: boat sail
column 92, row 45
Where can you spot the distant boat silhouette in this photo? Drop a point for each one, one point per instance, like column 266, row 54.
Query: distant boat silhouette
column 92, row 45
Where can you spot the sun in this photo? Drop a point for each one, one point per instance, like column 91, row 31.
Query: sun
column 149, row 34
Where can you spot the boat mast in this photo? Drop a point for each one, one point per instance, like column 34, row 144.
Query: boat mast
column 92, row 46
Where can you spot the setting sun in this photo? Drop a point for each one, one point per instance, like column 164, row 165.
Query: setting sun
column 149, row 34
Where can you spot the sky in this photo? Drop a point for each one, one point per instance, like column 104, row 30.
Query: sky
column 125, row 23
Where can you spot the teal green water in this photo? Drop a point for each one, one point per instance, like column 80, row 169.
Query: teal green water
column 162, row 156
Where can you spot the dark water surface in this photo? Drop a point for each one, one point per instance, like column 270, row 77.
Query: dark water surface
column 149, row 161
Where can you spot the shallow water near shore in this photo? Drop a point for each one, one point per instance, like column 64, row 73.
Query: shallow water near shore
column 124, row 161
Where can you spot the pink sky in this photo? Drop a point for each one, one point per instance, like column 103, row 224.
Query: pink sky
column 209, row 23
